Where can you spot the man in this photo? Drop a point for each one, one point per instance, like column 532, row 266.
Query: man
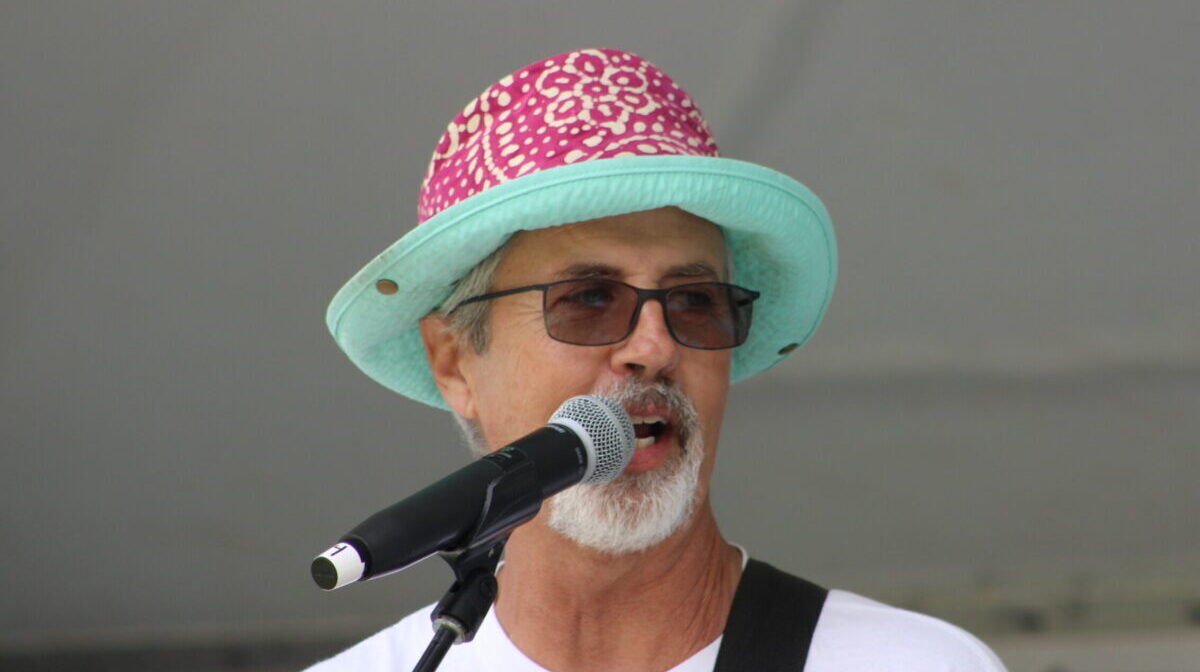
column 578, row 234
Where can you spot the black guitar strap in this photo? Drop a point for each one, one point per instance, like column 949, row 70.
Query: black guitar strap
column 771, row 622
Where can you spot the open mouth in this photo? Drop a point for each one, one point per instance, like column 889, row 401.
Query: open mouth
column 648, row 429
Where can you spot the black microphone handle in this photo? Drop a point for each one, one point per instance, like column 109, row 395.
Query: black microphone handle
column 479, row 502
column 433, row 519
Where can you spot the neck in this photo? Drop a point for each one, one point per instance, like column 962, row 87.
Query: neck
column 573, row 609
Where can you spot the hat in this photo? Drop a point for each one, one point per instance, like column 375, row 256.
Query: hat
column 586, row 134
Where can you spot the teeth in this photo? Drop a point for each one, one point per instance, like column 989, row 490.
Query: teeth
column 646, row 420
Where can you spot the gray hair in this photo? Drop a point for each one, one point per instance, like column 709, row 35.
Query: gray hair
column 471, row 319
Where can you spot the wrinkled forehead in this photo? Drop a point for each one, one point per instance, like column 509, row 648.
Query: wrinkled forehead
column 646, row 242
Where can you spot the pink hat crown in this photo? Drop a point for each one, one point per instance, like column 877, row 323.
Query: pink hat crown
column 578, row 106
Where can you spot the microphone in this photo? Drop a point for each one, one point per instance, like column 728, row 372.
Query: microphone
column 589, row 439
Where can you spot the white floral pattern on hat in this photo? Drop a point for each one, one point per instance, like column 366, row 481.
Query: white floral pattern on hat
column 580, row 105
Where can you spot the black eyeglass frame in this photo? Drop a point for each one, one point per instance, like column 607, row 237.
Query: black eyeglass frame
column 643, row 295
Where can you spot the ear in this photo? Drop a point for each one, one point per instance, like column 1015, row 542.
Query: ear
column 444, row 351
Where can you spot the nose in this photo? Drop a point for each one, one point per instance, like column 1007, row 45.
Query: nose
column 650, row 351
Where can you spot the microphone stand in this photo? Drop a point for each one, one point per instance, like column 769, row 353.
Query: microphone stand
column 514, row 497
column 462, row 609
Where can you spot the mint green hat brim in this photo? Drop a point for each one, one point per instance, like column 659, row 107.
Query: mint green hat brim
column 779, row 234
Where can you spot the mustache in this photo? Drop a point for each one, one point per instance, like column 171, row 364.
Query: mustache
column 636, row 392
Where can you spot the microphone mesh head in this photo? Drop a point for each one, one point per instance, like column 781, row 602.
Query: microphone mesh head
column 608, row 427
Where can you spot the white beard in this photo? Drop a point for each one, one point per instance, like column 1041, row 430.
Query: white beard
column 633, row 511
column 636, row 511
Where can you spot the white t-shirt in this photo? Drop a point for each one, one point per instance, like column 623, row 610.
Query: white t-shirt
column 854, row 634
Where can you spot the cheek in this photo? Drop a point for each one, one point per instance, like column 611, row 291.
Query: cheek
column 709, row 391
column 524, row 377
column 526, row 318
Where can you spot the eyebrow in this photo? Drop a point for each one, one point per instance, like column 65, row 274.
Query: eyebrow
column 695, row 269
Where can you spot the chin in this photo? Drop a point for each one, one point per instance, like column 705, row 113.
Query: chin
column 635, row 511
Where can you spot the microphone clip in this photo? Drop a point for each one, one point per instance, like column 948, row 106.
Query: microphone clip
column 464, row 606
column 462, row 609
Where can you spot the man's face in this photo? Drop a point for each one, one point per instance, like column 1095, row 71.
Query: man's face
column 524, row 375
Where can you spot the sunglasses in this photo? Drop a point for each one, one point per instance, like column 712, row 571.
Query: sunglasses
column 600, row 311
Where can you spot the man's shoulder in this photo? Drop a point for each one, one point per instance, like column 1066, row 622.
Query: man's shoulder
column 855, row 632
column 388, row 650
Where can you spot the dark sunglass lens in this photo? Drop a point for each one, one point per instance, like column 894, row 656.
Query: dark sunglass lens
column 742, row 302
column 710, row 315
column 589, row 311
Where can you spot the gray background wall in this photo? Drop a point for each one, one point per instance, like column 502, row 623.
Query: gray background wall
column 997, row 422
